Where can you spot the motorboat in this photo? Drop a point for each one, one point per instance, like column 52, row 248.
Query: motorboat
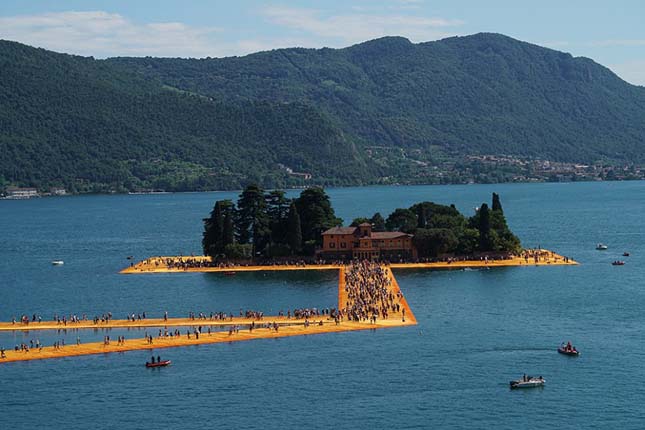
column 601, row 247
column 573, row 352
column 163, row 363
column 58, row 263
column 618, row 263
column 528, row 382
column 625, row 254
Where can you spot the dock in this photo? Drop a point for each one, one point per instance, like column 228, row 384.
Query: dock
column 264, row 328
column 287, row 327
column 201, row 264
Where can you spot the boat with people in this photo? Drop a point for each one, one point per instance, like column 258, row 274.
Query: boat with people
column 57, row 262
column 601, row 247
column 568, row 349
column 528, row 382
column 618, row 263
column 158, row 363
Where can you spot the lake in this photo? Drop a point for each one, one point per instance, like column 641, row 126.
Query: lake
column 477, row 329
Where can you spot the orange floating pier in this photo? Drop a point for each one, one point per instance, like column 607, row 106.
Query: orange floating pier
column 265, row 328
column 286, row 327
column 174, row 264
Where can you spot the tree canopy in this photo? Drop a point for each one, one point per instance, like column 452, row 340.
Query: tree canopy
column 268, row 224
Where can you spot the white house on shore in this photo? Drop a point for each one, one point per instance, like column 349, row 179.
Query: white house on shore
column 21, row 193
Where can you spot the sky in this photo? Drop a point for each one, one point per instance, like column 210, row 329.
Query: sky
column 611, row 33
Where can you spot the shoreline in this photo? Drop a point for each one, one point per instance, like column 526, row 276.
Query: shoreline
column 326, row 187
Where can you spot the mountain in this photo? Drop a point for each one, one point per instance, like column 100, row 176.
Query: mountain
column 479, row 94
column 89, row 126
column 382, row 111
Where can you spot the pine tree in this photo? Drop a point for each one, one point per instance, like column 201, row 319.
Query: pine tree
column 228, row 232
column 378, row 223
column 497, row 205
column 252, row 221
column 421, row 217
column 213, row 229
column 484, row 228
column 316, row 214
column 294, row 230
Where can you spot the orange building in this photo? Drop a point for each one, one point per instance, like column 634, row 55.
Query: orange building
column 361, row 242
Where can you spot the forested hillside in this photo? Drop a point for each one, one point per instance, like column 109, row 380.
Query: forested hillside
column 80, row 123
column 479, row 94
column 384, row 111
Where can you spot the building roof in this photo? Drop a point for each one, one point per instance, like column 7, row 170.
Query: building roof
column 340, row 230
column 374, row 235
column 388, row 234
column 365, row 224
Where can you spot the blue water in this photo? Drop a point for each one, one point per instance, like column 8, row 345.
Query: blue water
column 477, row 329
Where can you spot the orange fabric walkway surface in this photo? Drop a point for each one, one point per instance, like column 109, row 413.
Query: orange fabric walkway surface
column 148, row 322
column 287, row 327
column 204, row 338
column 158, row 265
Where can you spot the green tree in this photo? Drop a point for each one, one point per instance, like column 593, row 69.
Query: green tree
column 497, row 205
column 421, row 217
column 468, row 241
column 316, row 214
column 378, row 223
column 252, row 220
column 401, row 220
column 294, row 230
column 358, row 221
column 228, row 233
column 213, row 230
column 485, row 242
column 277, row 211
column 238, row 250
column 213, row 238
column 434, row 241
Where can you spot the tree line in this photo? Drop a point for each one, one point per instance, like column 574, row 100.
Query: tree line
column 268, row 224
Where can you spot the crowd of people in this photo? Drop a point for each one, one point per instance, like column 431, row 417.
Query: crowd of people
column 369, row 296
column 537, row 255
column 63, row 320
column 192, row 262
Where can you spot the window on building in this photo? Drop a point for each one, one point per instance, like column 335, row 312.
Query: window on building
column 332, row 245
column 343, row 245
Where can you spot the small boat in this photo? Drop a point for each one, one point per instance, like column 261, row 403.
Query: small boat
column 58, row 263
column 572, row 352
column 130, row 257
column 528, row 382
column 229, row 273
column 158, row 364
column 618, row 263
column 601, row 247
column 625, row 254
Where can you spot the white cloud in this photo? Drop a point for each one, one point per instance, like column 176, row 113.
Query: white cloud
column 631, row 71
column 104, row 34
column 340, row 30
